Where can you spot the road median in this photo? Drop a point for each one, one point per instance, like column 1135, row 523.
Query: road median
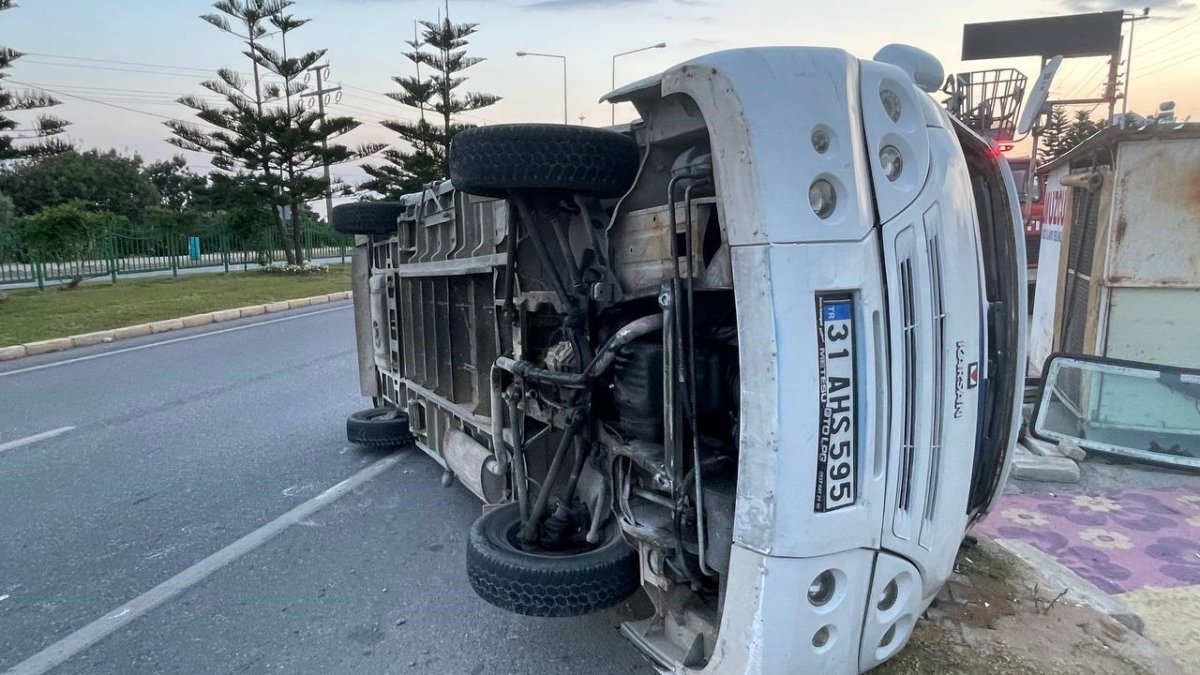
column 163, row 326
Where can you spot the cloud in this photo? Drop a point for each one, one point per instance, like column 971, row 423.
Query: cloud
column 1163, row 8
column 590, row 4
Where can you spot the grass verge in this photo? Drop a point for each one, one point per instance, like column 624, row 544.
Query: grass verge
column 31, row 315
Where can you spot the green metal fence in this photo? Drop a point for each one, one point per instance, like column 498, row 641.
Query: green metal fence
column 120, row 252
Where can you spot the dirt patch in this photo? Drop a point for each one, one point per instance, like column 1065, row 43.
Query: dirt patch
column 990, row 620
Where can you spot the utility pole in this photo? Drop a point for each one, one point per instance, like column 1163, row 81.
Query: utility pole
column 320, row 94
column 1132, row 19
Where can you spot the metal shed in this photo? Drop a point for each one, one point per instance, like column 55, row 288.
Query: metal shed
column 1119, row 265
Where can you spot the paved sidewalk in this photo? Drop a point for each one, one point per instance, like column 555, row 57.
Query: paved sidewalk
column 1140, row 545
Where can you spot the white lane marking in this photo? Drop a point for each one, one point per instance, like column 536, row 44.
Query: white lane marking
column 170, row 342
column 29, row 440
column 113, row 620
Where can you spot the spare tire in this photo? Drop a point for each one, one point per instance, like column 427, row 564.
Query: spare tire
column 368, row 218
column 379, row 428
column 491, row 161
column 547, row 584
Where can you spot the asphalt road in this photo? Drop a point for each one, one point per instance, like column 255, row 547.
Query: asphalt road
column 214, row 460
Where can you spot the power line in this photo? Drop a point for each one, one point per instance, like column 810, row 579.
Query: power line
column 1169, row 33
column 116, row 89
column 1087, row 80
column 1163, row 66
column 1181, row 40
column 1167, row 56
column 123, row 63
column 97, row 101
column 382, row 114
column 114, row 68
column 379, row 93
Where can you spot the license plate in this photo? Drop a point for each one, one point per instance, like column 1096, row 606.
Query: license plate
column 837, row 452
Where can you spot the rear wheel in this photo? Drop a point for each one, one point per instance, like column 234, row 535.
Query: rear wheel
column 569, row 582
column 379, row 428
column 491, row 161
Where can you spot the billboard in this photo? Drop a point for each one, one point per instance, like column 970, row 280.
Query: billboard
column 1097, row 34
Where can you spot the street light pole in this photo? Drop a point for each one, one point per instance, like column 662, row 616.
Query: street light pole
column 564, row 65
column 320, row 94
column 613, row 106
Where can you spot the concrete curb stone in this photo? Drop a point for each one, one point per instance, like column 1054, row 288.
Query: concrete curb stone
column 166, row 325
column 1054, row 575
column 10, row 353
column 89, row 339
column 47, row 346
column 197, row 320
column 140, row 330
column 143, row 329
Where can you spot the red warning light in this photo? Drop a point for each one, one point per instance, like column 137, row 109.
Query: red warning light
column 1004, row 147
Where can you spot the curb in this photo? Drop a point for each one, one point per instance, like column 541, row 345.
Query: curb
column 1052, row 574
column 164, row 326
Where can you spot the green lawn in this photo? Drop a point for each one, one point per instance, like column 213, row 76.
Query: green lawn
column 27, row 316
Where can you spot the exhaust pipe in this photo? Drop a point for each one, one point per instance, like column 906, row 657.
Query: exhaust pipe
column 474, row 466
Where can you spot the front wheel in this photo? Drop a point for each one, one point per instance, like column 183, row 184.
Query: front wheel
column 568, row 582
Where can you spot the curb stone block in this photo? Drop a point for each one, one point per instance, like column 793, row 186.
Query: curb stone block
column 197, row 320
column 1055, row 575
column 10, row 353
column 1048, row 469
column 127, row 332
column 165, row 326
column 89, row 339
column 47, row 346
column 141, row 330
column 1040, row 448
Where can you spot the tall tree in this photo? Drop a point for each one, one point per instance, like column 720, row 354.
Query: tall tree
column 1054, row 134
column 266, row 129
column 41, row 130
column 1082, row 128
column 435, row 95
column 104, row 181
column 177, row 185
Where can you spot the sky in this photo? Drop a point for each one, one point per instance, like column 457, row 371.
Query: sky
column 132, row 58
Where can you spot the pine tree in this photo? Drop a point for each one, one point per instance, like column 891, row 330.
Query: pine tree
column 268, row 129
column 1055, row 132
column 1082, row 128
column 427, row 157
column 41, row 130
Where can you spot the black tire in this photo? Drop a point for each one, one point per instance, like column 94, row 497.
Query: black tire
column 547, row 585
column 379, row 428
column 367, row 217
column 490, row 161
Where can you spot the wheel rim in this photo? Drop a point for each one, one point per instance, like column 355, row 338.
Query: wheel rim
column 510, row 539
